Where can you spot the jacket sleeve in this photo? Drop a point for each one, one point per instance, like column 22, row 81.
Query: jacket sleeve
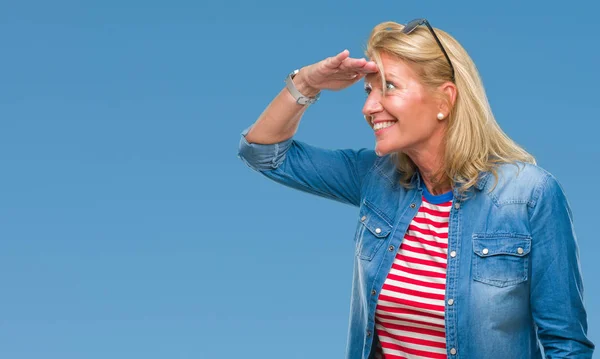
column 556, row 283
column 333, row 174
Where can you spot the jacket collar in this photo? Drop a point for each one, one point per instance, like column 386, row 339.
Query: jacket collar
column 480, row 184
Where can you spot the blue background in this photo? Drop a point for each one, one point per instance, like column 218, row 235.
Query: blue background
column 130, row 229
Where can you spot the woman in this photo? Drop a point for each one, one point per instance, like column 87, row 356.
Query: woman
column 464, row 247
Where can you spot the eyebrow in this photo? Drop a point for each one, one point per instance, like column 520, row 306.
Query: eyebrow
column 392, row 74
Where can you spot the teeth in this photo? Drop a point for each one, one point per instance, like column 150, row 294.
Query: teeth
column 380, row 125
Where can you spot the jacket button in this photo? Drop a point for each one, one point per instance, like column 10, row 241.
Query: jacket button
column 368, row 333
column 373, row 292
column 520, row 250
column 412, row 205
column 450, row 301
column 453, row 351
column 453, row 254
column 362, row 219
column 485, row 251
column 391, row 248
column 377, row 230
column 457, row 205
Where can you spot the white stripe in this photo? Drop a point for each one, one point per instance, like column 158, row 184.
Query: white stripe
column 421, row 256
column 412, row 356
column 428, row 247
column 421, row 318
column 413, row 298
column 411, row 324
column 436, row 207
column 410, row 286
column 403, row 354
column 440, row 233
column 418, row 266
column 411, row 346
column 433, row 217
column 410, row 334
column 402, row 306
column 429, row 227
column 422, row 278
column 427, row 237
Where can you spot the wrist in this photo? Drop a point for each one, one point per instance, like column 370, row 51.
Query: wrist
column 303, row 87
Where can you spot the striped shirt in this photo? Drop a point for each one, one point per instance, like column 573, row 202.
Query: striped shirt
column 409, row 319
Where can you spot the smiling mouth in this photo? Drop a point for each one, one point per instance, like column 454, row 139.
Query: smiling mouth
column 382, row 125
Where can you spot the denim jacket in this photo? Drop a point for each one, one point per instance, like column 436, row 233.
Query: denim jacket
column 513, row 272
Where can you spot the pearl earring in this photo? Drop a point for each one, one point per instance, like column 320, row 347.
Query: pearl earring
column 440, row 116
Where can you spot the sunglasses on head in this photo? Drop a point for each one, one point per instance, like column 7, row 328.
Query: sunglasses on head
column 412, row 25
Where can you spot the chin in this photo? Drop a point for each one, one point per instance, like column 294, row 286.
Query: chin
column 383, row 149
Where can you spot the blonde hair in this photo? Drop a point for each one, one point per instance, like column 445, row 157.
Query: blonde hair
column 474, row 141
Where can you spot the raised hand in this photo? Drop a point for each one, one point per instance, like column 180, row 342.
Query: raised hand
column 333, row 73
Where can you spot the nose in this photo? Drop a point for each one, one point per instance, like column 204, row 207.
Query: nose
column 372, row 104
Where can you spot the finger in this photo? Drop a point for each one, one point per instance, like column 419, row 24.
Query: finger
column 359, row 65
column 352, row 64
column 335, row 61
column 370, row 67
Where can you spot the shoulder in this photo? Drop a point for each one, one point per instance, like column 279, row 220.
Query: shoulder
column 520, row 182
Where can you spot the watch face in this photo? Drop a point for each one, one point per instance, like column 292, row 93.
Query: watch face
column 303, row 101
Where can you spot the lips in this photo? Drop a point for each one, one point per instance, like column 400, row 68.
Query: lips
column 383, row 124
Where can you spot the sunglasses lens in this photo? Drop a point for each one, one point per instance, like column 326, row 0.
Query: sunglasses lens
column 411, row 26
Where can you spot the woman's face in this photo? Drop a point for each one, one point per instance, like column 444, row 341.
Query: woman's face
column 405, row 118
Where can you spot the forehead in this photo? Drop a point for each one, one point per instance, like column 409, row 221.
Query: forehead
column 393, row 68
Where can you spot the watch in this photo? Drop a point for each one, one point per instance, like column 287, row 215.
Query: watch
column 300, row 98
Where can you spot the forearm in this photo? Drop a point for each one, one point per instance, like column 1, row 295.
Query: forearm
column 279, row 121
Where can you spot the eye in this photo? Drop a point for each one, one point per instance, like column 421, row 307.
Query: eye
column 368, row 89
column 389, row 86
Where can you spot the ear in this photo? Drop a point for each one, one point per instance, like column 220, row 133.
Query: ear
column 449, row 91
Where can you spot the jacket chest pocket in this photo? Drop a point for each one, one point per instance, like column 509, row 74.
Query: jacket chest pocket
column 373, row 229
column 501, row 259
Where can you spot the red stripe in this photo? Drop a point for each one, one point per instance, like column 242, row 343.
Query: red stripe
column 426, row 241
column 413, row 304
column 422, row 250
column 406, row 311
column 416, row 282
column 413, row 351
column 414, row 293
column 424, row 273
column 427, row 232
column 439, row 224
column 430, row 222
column 392, row 356
column 434, row 212
column 396, row 318
column 408, row 328
column 421, row 261
column 413, row 340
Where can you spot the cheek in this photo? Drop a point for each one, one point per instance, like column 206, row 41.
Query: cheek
column 405, row 112
column 396, row 106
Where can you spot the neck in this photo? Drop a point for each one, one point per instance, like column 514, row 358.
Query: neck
column 431, row 169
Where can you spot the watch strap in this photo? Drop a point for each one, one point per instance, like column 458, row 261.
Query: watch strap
column 300, row 98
